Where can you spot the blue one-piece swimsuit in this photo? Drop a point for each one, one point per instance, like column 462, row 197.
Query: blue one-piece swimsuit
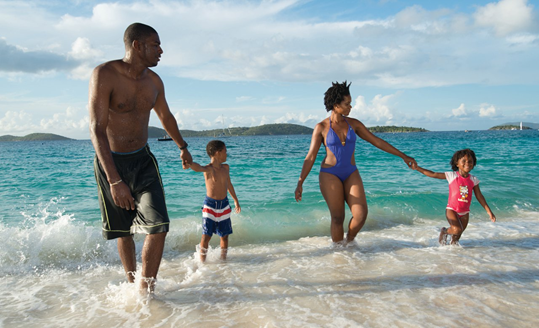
column 343, row 153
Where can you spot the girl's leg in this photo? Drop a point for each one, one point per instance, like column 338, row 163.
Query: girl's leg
column 204, row 242
column 332, row 190
column 463, row 220
column 224, row 247
column 355, row 197
column 456, row 223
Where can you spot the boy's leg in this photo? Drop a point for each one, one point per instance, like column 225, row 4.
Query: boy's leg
column 224, row 247
column 152, row 252
column 204, row 242
column 126, row 250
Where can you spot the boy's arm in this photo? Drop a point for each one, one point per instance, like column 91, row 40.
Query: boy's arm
column 429, row 173
column 483, row 202
column 197, row 167
column 232, row 193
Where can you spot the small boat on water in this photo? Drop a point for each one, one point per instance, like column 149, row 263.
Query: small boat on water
column 165, row 138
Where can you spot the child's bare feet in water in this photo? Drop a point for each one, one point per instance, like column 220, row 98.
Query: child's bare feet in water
column 455, row 240
column 443, row 237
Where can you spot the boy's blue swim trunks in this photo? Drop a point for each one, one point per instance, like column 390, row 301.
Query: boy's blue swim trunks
column 216, row 217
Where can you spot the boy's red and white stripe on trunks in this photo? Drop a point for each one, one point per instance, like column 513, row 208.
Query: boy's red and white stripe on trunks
column 216, row 215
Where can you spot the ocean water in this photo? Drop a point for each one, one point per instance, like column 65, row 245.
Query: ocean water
column 282, row 270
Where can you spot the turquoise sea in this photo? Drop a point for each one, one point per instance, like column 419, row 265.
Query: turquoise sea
column 282, row 271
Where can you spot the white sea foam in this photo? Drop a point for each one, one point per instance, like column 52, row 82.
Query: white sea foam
column 397, row 276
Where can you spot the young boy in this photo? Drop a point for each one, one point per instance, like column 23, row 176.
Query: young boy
column 216, row 210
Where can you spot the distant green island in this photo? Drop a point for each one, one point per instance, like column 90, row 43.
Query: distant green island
column 395, row 129
column 262, row 130
column 34, row 137
column 516, row 126
column 270, row 129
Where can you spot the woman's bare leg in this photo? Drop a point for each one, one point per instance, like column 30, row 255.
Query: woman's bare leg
column 333, row 192
column 355, row 197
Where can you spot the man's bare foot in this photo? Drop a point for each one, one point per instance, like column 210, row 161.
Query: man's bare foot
column 147, row 286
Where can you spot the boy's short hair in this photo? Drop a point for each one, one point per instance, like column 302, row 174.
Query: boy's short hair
column 460, row 154
column 335, row 94
column 214, row 146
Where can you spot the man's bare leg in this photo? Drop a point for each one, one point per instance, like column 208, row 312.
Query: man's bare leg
column 126, row 250
column 152, row 252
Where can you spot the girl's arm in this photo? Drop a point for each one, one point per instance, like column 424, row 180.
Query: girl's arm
column 436, row 175
column 366, row 135
column 483, row 202
column 316, row 141
column 232, row 193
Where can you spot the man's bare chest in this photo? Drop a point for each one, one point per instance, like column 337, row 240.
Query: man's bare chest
column 137, row 97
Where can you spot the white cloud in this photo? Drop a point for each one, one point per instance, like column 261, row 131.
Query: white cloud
column 487, row 110
column 244, row 98
column 505, row 16
column 301, row 118
column 82, row 50
column 71, row 120
column 377, row 112
column 460, row 111
column 257, row 41
column 15, row 122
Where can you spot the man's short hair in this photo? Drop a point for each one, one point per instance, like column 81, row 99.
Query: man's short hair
column 137, row 31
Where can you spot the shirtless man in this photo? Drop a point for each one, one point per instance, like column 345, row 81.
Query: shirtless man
column 131, row 196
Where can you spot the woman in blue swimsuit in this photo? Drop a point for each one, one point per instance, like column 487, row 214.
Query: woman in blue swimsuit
column 339, row 178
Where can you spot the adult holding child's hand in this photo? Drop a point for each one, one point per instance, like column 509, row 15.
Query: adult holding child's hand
column 339, row 177
column 122, row 94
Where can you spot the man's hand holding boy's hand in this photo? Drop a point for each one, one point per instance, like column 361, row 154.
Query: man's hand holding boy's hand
column 186, row 158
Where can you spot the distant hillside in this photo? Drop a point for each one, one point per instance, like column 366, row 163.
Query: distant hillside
column 267, row 129
column 395, row 129
column 34, row 137
column 516, row 126
column 509, row 127
column 270, row 129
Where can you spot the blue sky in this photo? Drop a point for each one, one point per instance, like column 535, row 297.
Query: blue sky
column 439, row 65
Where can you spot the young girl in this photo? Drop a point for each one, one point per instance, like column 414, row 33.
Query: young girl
column 461, row 187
